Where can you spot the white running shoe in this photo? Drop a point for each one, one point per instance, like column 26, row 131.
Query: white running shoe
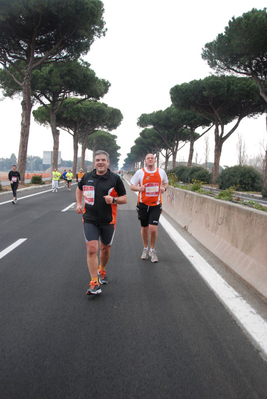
column 154, row 257
column 144, row 254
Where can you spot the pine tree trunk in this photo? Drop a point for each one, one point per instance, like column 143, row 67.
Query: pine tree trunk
column 174, row 156
column 25, row 126
column 217, row 155
column 75, row 153
column 157, row 158
column 55, row 133
column 166, row 162
column 191, row 149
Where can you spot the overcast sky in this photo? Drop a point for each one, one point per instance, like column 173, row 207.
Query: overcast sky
column 149, row 47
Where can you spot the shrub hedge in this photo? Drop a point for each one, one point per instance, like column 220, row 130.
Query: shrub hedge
column 189, row 175
column 242, row 178
column 37, row 180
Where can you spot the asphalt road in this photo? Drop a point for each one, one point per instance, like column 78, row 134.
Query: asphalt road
column 156, row 332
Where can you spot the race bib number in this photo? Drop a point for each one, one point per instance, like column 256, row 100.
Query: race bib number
column 89, row 195
column 79, row 179
column 14, row 179
column 152, row 189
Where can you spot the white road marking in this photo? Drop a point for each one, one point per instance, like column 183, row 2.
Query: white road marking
column 245, row 315
column 11, row 247
column 253, row 324
column 31, row 195
column 26, row 196
column 68, row 207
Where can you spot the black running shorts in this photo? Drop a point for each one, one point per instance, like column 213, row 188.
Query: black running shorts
column 104, row 232
column 148, row 214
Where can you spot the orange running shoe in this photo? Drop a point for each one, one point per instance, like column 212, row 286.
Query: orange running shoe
column 102, row 276
column 94, row 289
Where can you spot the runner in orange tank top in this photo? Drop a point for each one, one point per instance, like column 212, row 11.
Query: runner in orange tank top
column 151, row 183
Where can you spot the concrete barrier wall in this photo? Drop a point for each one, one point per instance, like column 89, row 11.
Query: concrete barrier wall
column 235, row 234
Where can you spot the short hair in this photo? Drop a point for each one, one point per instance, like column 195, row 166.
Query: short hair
column 98, row 152
column 14, row 165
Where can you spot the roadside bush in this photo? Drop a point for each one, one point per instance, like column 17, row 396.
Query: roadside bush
column 197, row 186
column 203, row 175
column 178, row 171
column 264, row 192
column 172, row 179
column 37, row 180
column 243, row 178
column 188, row 175
column 196, row 173
column 226, row 195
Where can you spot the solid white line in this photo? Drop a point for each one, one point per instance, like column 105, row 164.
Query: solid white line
column 254, row 325
column 11, row 247
column 68, row 207
column 32, row 195
column 245, row 315
column 26, row 196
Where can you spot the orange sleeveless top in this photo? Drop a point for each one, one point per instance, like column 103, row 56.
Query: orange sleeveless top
column 151, row 195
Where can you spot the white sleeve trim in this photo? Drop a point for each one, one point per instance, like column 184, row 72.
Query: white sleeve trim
column 137, row 177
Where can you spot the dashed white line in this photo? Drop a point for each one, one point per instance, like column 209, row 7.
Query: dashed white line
column 11, row 247
column 68, row 207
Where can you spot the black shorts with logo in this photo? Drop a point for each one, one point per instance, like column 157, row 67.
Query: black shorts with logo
column 104, row 232
column 148, row 214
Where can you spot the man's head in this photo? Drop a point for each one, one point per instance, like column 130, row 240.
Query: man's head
column 13, row 168
column 150, row 161
column 101, row 161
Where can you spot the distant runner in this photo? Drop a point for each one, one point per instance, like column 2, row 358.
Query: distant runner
column 64, row 177
column 56, row 175
column 69, row 177
column 14, row 177
column 79, row 175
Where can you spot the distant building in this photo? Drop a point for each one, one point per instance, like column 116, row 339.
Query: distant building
column 48, row 157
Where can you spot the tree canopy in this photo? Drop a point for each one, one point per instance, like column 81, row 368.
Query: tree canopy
column 80, row 119
column 34, row 32
column 171, row 127
column 242, row 48
column 221, row 100
column 102, row 140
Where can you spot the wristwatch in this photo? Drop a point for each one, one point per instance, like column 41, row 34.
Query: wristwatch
column 114, row 200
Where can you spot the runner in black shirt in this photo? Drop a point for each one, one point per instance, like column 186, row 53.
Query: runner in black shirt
column 14, row 177
column 102, row 190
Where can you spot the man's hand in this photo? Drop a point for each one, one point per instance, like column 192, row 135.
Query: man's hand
column 79, row 208
column 141, row 189
column 108, row 199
